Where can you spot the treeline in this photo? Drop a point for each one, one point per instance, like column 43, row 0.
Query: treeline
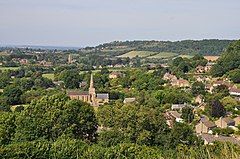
column 229, row 63
column 204, row 47
column 57, row 127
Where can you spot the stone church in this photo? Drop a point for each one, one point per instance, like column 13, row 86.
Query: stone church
column 90, row 96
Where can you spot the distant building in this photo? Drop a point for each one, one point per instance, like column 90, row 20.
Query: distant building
column 180, row 83
column 129, row 100
column 169, row 77
column 90, row 96
column 225, row 122
column 178, row 106
column 204, row 126
column 24, row 61
column 114, row 75
column 70, row 59
column 200, row 69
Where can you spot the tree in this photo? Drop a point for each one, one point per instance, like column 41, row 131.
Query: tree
column 53, row 116
column 182, row 133
column 198, row 88
column 221, row 91
column 4, row 79
column 70, row 78
column 217, row 70
column 187, row 114
column 229, row 60
column 7, row 127
column 235, row 75
column 216, row 109
column 229, row 103
column 43, row 82
column 12, row 94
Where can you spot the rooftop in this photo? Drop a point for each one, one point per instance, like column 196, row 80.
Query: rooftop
column 77, row 93
column 211, row 138
column 102, row 96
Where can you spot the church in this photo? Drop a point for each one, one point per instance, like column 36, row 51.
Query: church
column 90, row 96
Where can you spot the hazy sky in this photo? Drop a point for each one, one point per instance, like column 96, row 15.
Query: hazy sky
column 90, row 22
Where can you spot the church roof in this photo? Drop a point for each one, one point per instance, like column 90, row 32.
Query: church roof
column 77, row 93
column 102, row 96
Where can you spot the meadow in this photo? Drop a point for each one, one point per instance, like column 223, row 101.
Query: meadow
column 133, row 54
column 8, row 68
column 49, row 76
column 163, row 55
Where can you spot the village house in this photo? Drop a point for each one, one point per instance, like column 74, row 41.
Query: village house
column 91, row 97
column 199, row 99
column 200, row 69
column 176, row 116
column 171, row 117
column 23, row 61
column 237, row 120
column 210, row 139
column 114, row 75
column 208, row 66
column 234, row 91
column 169, row 77
column 180, row 83
column 178, row 106
column 204, row 126
column 225, row 122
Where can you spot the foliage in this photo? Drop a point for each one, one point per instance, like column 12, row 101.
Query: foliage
column 198, row 88
column 53, row 116
column 7, row 127
column 187, row 114
column 235, row 75
column 216, row 109
column 12, row 94
column 229, row 60
column 223, row 131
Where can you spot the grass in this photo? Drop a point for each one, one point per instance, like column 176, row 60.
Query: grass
column 186, row 56
column 163, row 55
column 133, row 54
column 49, row 76
column 8, row 68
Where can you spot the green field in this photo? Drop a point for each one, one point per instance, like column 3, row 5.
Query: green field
column 186, row 56
column 49, row 76
column 163, row 55
column 8, row 68
column 133, row 54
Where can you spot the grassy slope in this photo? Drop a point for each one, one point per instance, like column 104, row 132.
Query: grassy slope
column 163, row 55
column 49, row 76
column 133, row 54
column 8, row 68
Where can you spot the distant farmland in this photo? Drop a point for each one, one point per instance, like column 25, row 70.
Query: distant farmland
column 163, row 55
column 9, row 68
column 133, row 54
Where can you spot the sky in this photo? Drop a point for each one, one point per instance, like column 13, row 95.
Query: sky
column 82, row 23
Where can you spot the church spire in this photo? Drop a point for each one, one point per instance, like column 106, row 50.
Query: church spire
column 92, row 92
column 91, row 82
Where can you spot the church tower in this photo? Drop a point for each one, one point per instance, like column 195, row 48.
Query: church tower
column 69, row 59
column 92, row 92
